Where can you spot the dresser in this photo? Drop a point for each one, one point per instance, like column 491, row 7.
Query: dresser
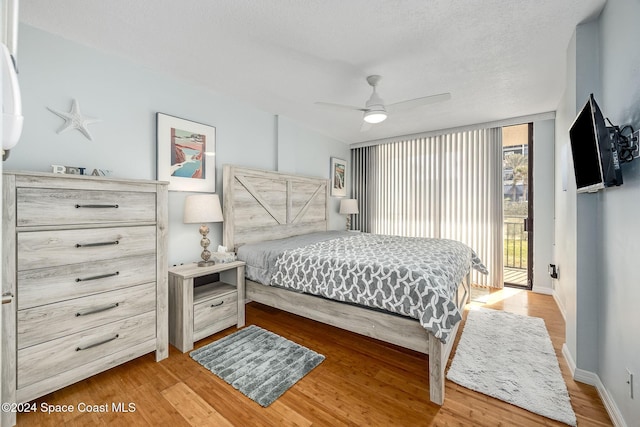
column 84, row 259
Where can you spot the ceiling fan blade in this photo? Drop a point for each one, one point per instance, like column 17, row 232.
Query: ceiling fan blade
column 365, row 126
column 340, row 106
column 417, row 102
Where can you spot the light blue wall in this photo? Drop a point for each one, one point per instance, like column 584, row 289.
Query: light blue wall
column 587, row 225
column 576, row 220
column 600, row 296
column 126, row 97
column 620, row 293
column 296, row 144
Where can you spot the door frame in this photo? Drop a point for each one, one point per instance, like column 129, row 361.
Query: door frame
column 528, row 222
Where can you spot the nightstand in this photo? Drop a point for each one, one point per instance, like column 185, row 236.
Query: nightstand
column 195, row 313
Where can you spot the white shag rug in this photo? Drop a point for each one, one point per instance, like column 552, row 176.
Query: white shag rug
column 510, row 357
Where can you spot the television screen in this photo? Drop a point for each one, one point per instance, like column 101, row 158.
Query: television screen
column 595, row 157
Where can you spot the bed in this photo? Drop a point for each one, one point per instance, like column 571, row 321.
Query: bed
column 286, row 217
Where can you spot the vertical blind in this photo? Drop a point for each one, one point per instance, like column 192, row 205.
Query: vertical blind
column 446, row 186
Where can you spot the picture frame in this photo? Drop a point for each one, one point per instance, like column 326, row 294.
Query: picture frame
column 338, row 177
column 185, row 154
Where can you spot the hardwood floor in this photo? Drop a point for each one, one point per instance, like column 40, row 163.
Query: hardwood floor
column 362, row 382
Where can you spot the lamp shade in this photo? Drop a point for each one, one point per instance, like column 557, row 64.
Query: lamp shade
column 348, row 206
column 202, row 208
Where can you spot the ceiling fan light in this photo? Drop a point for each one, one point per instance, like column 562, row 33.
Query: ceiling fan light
column 374, row 117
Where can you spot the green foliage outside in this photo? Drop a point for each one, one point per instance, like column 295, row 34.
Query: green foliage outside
column 515, row 239
column 512, row 253
column 519, row 167
column 514, row 209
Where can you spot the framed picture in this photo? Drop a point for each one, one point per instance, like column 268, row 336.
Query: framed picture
column 338, row 177
column 186, row 154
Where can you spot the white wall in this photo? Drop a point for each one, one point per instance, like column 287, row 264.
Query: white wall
column 600, row 296
column 126, row 97
column 3, row 417
column 565, row 251
column 543, row 160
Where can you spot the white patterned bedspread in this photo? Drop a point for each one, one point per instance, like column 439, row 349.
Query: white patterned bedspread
column 414, row 277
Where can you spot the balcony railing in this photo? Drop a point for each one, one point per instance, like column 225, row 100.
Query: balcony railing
column 515, row 242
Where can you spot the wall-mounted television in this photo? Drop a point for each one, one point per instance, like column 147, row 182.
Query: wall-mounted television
column 595, row 153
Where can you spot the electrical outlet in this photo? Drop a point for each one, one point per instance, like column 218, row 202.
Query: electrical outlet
column 635, row 136
column 630, row 382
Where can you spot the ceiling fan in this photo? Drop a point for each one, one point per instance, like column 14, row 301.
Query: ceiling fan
column 375, row 110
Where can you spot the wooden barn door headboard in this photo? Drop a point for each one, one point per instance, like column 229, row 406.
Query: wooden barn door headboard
column 263, row 205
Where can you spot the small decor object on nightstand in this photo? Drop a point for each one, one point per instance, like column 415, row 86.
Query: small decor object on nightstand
column 201, row 209
column 348, row 207
column 224, row 257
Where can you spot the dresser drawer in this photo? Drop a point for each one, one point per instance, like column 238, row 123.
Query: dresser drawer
column 51, row 358
column 47, row 285
column 43, row 206
column 213, row 315
column 44, row 323
column 41, row 249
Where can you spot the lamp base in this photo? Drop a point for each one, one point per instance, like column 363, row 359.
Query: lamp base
column 206, row 254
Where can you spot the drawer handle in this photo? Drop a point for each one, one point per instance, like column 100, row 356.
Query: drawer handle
column 97, row 310
column 218, row 304
column 102, row 276
column 7, row 298
column 97, row 344
column 90, row 245
column 97, row 206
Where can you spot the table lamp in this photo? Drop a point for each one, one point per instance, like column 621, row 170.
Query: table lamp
column 348, row 207
column 201, row 209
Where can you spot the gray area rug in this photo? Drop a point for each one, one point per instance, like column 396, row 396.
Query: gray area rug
column 260, row 364
column 511, row 357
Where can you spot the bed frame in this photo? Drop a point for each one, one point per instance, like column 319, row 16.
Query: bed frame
column 262, row 205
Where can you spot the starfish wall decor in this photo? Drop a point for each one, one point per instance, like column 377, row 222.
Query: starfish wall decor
column 74, row 119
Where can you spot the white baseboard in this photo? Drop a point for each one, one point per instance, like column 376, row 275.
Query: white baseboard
column 610, row 405
column 560, row 306
column 586, row 377
column 593, row 379
column 542, row 290
column 569, row 358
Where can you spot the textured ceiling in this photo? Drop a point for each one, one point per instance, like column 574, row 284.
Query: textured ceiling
column 498, row 58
